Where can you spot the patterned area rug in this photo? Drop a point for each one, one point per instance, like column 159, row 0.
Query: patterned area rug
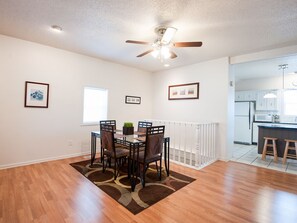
column 120, row 189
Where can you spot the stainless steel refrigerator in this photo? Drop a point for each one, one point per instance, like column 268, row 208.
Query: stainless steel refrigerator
column 244, row 117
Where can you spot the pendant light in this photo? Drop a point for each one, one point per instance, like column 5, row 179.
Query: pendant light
column 269, row 95
column 272, row 95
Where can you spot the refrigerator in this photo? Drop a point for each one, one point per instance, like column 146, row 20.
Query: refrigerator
column 244, row 117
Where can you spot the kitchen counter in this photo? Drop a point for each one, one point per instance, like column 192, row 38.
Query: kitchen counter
column 280, row 131
column 278, row 125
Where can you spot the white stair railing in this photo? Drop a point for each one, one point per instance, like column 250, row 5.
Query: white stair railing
column 191, row 144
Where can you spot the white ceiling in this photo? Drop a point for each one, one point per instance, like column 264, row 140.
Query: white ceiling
column 99, row 28
column 265, row 68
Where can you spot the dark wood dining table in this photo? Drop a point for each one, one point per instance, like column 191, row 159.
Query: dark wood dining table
column 133, row 143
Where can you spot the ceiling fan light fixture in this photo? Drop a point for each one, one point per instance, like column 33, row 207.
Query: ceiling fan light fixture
column 162, row 46
column 155, row 53
column 168, row 35
column 165, row 53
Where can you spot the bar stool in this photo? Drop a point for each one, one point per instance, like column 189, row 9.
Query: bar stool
column 289, row 147
column 266, row 145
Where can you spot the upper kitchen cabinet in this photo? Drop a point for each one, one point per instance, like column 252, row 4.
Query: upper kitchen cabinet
column 251, row 95
column 266, row 104
column 262, row 104
column 245, row 95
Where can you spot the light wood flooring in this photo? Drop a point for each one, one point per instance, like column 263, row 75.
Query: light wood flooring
column 223, row 192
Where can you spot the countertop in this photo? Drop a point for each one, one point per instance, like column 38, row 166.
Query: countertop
column 278, row 125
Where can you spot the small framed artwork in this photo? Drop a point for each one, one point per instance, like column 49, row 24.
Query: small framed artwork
column 132, row 100
column 36, row 94
column 183, row 91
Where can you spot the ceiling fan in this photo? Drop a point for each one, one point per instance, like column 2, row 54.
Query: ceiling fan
column 163, row 44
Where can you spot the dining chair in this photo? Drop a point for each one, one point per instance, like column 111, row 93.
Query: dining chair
column 152, row 151
column 109, row 122
column 143, row 125
column 110, row 150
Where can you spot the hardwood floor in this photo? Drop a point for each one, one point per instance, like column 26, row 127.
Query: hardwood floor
column 223, row 192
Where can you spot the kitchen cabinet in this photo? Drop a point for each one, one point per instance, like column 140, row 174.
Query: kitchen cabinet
column 245, row 95
column 250, row 95
column 239, row 96
column 279, row 131
column 262, row 104
column 256, row 131
column 266, row 104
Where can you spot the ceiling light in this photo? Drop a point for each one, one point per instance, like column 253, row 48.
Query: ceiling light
column 168, row 35
column 166, row 65
column 165, row 52
column 155, row 53
column 283, row 67
column 56, row 28
column 269, row 95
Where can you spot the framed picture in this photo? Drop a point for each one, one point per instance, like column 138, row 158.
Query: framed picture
column 132, row 100
column 183, row 91
column 36, row 94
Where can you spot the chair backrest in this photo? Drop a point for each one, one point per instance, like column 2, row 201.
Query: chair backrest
column 154, row 142
column 143, row 125
column 109, row 122
column 107, row 137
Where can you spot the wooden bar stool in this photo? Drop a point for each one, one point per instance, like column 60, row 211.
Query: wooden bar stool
column 266, row 145
column 289, row 147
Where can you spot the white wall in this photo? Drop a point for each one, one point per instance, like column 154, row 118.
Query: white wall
column 212, row 105
column 34, row 134
column 266, row 83
column 264, row 55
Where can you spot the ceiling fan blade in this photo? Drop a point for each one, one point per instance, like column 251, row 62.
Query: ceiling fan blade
column 137, row 42
column 168, row 35
column 173, row 55
column 187, row 44
column 145, row 53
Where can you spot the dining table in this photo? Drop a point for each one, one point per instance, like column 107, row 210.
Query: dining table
column 133, row 143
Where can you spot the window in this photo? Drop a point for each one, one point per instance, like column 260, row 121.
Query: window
column 290, row 102
column 95, row 105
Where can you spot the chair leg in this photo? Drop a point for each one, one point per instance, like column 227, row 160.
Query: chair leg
column 143, row 174
column 285, row 153
column 160, row 176
column 129, row 166
column 296, row 149
column 264, row 150
column 103, row 169
column 274, row 151
column 115, row 169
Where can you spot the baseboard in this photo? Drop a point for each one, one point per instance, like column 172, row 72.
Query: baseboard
column 224, row 159
column 43, row 160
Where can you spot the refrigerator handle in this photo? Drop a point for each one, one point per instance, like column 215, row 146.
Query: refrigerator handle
column 250, row 117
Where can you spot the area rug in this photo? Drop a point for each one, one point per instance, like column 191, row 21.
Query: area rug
column 120, row 189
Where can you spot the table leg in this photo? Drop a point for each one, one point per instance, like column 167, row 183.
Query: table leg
column 166, row 155
column 133, row 162
column 101, row 154
column 129, row 162
column 132, row 169
column 93, row 147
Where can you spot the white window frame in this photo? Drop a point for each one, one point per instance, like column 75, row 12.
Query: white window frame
column 95, row 122
column 284, row 105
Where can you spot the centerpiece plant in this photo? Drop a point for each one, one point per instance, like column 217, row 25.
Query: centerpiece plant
column 128, row 128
